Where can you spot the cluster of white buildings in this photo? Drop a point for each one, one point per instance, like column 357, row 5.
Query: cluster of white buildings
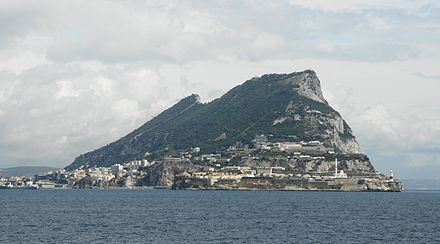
column 130, row 166
column 261, row 142
column 100, row 174
column 234, row 174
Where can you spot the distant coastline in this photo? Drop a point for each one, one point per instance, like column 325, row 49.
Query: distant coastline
column 421, row 184
column 25, row 171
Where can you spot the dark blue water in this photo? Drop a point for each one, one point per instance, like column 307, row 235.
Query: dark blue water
column 164, row 216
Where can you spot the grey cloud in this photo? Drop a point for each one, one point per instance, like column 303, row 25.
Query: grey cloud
column 392, row 141
column 186, row 84
column 380, row 52
column 180, row 32
column 54, row 112
column 427, row 77
column 46, row 122
column 373, row 52
column 18, row 19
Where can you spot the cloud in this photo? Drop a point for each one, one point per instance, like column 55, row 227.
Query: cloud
column 179, row 32
column 420, row 160
column 350, row 5
column 427, row 77
column 372, row 52
column 54, row 112
column 393, row 141
column 65, row 89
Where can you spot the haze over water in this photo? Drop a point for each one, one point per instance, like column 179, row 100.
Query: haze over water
column 163, row 216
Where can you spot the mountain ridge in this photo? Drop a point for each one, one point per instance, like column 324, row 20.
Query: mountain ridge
column 283, row 105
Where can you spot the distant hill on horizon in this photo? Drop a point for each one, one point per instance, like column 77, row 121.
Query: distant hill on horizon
column 25, row 171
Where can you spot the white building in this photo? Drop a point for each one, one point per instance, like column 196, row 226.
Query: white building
column 264, row 171
column 339, row 174
column 116, row 168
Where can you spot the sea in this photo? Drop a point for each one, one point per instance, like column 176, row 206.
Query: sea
column 168, row 216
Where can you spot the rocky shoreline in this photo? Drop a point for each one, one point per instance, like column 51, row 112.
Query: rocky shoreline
column 339, row 185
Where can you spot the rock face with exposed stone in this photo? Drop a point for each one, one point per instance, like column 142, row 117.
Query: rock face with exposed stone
column 163, row 173
column 353, row 165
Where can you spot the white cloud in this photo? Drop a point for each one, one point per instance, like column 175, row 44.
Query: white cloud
column 125, row 108
column 268, row 42
column 350, row 5
column 406, row 141
column 379, row 24
column 65, row 90
column 49, row 114
column 428, row 77
column 325, row 46
column 103, row 86
column 180, row 32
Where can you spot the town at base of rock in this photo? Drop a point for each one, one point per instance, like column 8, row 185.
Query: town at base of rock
column 263, row 166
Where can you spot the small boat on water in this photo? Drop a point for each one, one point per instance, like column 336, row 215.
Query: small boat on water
column 32, row 186
column 7, row 186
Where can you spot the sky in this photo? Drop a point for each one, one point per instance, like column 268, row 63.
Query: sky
column 77, row 75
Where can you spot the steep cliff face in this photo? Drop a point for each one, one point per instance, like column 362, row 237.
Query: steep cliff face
column 384, row 186
column 286, row 106
column 307, row 85
column 354, row 165
column 326, row 125
column 162, row 173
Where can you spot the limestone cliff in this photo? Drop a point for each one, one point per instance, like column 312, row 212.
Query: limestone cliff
column 353, row 165
column 162, row 173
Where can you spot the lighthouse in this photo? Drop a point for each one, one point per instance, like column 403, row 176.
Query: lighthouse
column 391, row 174
column 336, row 168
